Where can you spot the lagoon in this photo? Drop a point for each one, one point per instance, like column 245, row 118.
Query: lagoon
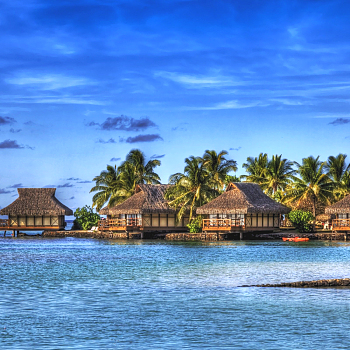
column 91, row 294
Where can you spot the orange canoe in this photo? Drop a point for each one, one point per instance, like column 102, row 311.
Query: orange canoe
column 295, row 239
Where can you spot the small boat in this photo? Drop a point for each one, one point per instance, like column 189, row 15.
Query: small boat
column 295, row 239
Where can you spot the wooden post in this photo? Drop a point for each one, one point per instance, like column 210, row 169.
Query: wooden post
column 241, row 235
column 141, row 234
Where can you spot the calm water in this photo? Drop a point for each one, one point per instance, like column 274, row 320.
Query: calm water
column 89, row 294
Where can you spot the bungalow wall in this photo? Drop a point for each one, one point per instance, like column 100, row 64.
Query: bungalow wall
column 36, row 221
column 251, row 221
column 158, row 222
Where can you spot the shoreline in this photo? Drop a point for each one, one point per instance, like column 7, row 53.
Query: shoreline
column 181, row 236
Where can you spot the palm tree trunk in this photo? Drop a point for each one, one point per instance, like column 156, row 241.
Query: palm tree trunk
column 314, row 213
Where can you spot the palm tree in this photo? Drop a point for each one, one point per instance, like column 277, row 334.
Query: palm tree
column 255, row 167
column 106, row 185
column 144, row 171
column 218, row 167
column 116, row 185
column 192, row 188
column 339, row 172
column 314, row 185
column 277, row 175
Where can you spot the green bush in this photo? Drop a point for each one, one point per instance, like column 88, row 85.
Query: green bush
column 85, row 218
column 195, row 225
column 301, row 220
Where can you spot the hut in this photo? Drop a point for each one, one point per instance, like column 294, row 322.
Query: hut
column 146, row 210
column 243, row 207
column 341, row 211
column 35, row 209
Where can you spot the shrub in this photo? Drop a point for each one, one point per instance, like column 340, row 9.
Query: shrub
column 195, row 225
column 85, row 218
column 301, row 220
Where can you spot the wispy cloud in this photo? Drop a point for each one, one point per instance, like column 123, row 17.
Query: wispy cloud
column 48, row 81
column 235, row 149
column 13, row 131
column 109, row 141
column 180, row 127
column 158, row 156
column 115, row 159
column 197, row 81
column 142, row 138
column 4, row 191
column 13, row 144
column 73, row 179
column 124, row 123
column 68, row 184
column 84, row 182
column 340, row 121
column 16, row 186
column 228, row 105
column 6, row 120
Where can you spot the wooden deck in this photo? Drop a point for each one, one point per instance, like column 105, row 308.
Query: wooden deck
column 341, row 225
column 119, row 224
column 221, row 224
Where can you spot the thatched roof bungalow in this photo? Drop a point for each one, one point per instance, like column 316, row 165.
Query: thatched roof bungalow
column 35, row 209
column 146, row 210
column 242, row 207
column 341, row 211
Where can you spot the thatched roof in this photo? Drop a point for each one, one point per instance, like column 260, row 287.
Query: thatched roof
column 147, row 199
column 36, row 202
column 341, row 207
column 243, row 198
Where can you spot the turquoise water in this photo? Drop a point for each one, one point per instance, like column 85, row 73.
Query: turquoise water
column 90, row 294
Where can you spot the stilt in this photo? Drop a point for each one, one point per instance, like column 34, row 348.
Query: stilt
column 141, row 234
column 241, row 236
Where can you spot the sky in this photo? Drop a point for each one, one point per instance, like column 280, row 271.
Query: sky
column 84, row 82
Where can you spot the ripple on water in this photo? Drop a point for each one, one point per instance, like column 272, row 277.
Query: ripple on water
column 84, row 294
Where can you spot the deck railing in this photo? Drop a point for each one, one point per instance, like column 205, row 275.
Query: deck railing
column 118, row 224
column 221, row 224
column 4, row 223
column 341, row 224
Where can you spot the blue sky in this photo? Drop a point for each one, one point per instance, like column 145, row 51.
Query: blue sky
column 84, row 82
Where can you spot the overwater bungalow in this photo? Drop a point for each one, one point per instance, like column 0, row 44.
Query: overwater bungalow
column 146, row 210
column 341, row 210
column 35, row 209
column 243, row 207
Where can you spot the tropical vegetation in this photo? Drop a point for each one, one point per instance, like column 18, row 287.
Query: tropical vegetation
column 114, row 185
column 85, row 218
column 301, row 220
column 312, row 184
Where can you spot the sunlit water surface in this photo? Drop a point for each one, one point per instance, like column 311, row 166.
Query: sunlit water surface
column 91, row 294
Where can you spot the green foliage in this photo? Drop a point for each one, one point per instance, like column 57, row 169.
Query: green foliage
column 195, row 225
column 85, row 218
column 301, row 220
column 115, row 185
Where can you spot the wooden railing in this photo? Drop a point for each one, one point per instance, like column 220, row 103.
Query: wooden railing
column 341, row 224
column 4, row 223
column 118, row 224
column 221, row 224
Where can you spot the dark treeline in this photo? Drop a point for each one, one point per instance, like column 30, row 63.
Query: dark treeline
column 312, row 184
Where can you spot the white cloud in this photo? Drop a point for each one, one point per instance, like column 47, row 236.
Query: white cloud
column 198, row 81
column 229, row 105
column 49, row 81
